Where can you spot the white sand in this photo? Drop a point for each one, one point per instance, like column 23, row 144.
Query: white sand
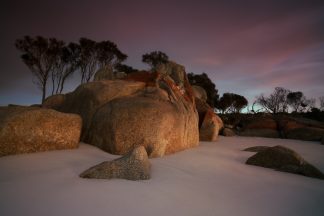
column 209, row 180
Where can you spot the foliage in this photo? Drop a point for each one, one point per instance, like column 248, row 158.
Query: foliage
column 51, row 58
column 275, row 102
column 204, row 81
column 125, row 68
column 231, row 102
column 298, row 101
column 66, row 63
column 154, row 59
column 321, row 100
column 95, row 55
column 40, row 55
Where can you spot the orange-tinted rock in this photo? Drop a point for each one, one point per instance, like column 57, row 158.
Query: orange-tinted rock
column 29, row 129
column 88, row 97
column 210, row 126
column 262, row 123
column 150, row 118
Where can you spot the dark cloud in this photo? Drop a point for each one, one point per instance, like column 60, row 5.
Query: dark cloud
column 246, row 47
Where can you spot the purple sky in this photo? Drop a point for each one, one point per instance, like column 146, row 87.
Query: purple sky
column 246, row 47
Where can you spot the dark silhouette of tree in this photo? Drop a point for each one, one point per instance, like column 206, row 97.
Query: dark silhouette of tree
column 66, row 63
column 108, row 54
column 95, row 55
column 321, row 103
column 276, row 102
column 298, row 101
column 154, row 59
column 231, row 102
column 203, row 81
column 39, row 55
column 125, row 68
column 88, row 59
column 240, row 102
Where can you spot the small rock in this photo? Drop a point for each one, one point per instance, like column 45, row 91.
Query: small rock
column 286, row 160
column 256, row 148
column 228, row 132
column 132, row 166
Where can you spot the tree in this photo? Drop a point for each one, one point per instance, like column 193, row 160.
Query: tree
column 87, row 61
column 276, row 102
column 108, row 54
column 39, row 55
column 231, row 102
column 95, row 55
column 321, row 100
column 66, row 63
column 240, row 102
column 296, row 100
column 299, row 102
column 154, row 59
column 203, row 81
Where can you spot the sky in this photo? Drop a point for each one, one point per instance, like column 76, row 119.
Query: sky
column 246, row 47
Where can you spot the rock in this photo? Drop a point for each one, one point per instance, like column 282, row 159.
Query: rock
column 228, row 132
column 31, row 129
column 261, row 123
column 284, row 159
column 89, row 97
column 161, row 117
column 145, row 108
column 148, row 119
column 175, row 71
column 210, row 127
column 300, row 128
column 322, row 141
column 54, row 101
column 210, row 124
column 268, row 133
column 133, row 166
column 305, row 133
column 105, row 73
column 256, row 148
column 200, row 93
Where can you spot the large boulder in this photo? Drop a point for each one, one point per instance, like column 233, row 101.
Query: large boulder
column 175, row 71
column 54, row 102
column 89, row 97
column 200, row 93
column 133, row 166
column 268, row 133
column 30, row 129
column 162, row 121
column 210, row 124
column 301, row 128
column 153, row 109
column 305, row 133
column 260, row 126
column 284, row 159
column 210, row 127
column 105, row 73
